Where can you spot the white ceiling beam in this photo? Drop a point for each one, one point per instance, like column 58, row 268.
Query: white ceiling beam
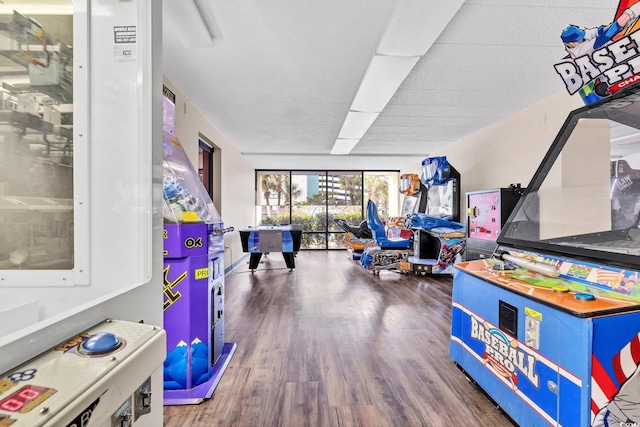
column 382, row 79
column 414, row 27
column 344, row 146
column 356, row 124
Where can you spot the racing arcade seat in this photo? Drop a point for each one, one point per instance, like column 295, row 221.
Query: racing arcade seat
column 356, row 238
column 379, row 232
column 389, row 253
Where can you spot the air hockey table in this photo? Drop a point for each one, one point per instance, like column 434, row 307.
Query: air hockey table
column 264, row 239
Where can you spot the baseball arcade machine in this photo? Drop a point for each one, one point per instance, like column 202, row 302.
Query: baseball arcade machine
column 197, row 355
column 549, row 326
column 80, row 223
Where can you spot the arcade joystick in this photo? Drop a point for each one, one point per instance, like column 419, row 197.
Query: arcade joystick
column 99, row 344
column 529, row 264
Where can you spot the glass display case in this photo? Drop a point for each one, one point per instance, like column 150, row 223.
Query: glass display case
column 80, row 164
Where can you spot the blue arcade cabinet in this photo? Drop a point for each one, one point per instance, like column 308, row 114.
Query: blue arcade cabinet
column 549, row 327
column 439, row 239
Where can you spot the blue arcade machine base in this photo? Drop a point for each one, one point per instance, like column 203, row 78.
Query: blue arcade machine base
column 542, row 352
column 204, row 391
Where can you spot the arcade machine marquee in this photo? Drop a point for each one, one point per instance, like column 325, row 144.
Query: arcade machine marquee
column 549, row 327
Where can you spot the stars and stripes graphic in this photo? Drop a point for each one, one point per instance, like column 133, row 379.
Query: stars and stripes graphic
column 603, row 386
column 609, row 277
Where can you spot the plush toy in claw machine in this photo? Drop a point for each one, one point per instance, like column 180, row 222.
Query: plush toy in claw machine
column 193, row 282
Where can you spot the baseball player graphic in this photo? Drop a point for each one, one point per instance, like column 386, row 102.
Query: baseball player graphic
column 624, row 408
column 583, row 41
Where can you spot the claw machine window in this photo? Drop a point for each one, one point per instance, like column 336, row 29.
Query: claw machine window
column 43, row 147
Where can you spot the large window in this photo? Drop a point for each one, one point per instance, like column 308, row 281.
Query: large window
column 316, row 198
column 309, row 207
column 272, row 197
column 344, row 202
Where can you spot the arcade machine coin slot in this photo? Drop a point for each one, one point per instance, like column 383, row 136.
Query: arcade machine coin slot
column 142, row 400
column 532, row 332
column 217, row 323
column 508, row 318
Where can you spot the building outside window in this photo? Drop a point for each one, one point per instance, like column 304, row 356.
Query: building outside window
column 315, row 198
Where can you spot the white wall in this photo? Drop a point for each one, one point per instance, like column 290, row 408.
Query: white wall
column 510, row 150
column 234, row 177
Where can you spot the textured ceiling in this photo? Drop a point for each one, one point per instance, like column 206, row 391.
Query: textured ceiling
column 280, row 75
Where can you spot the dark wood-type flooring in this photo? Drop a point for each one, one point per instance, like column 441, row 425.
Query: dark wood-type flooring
column 331, row 344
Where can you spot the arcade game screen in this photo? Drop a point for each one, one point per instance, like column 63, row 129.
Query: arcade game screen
column 584, row 199
column 442, row 181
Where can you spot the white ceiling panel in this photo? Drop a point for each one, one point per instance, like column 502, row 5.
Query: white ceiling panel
column 445, row 111
column 279, row 76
